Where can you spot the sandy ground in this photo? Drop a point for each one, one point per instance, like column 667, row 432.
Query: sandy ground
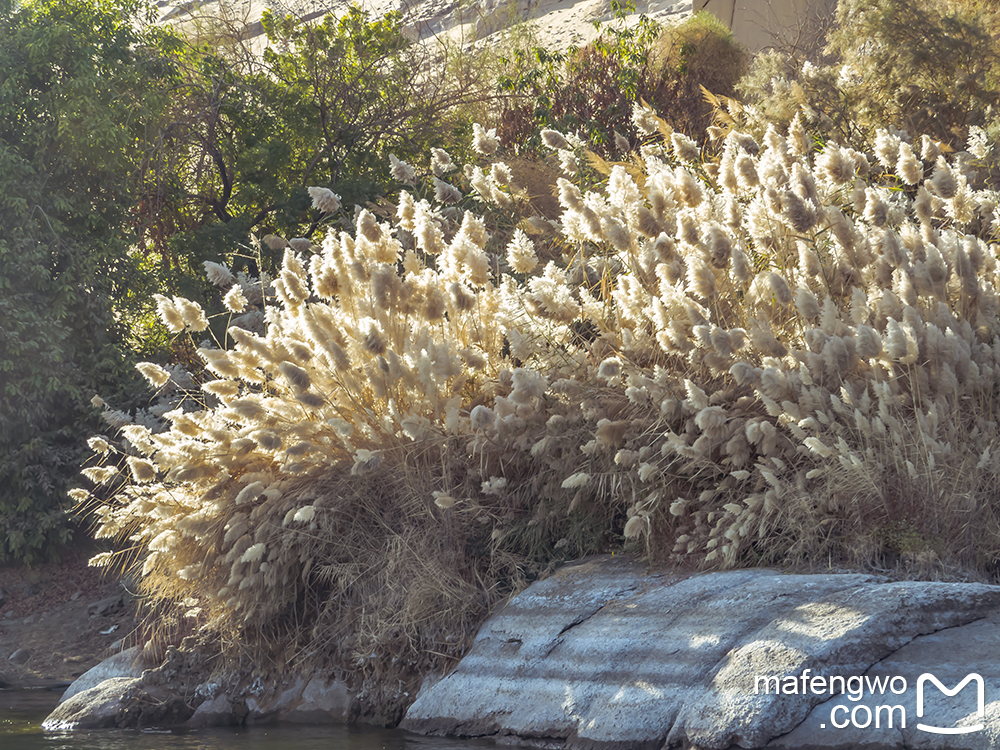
column 558, row 23
column 59, row 620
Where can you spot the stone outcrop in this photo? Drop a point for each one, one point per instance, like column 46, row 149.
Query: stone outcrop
column 127, row 663
column 94, row 708
column 180, row 692
column 603, row 655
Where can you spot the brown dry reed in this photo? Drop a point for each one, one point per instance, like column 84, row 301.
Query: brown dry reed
column 779, row 356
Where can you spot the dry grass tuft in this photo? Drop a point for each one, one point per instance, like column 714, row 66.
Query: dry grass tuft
column 774, row 356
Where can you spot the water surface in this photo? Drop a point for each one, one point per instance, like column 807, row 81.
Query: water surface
column 22, row 712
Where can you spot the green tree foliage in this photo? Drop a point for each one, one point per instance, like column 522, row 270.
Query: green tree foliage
column 325, row 105
column 929, row 68
column 78, row 86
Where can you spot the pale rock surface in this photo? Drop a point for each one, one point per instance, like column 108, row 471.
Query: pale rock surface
column 119, row 692
column 950, row 655
column 603, row 655
column 216, row 712
column 127, row 663
column 322, row 702
column 93, row 708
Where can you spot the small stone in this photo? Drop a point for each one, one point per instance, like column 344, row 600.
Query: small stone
column 20, row 656
column 76, row 596
column 106, row 606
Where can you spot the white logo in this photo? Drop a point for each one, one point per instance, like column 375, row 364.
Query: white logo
column 981, row 706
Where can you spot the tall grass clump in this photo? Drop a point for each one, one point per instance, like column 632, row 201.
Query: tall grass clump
column 780, row 355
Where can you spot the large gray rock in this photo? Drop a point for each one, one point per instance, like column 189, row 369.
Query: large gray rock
column 127, row 663
column 950, row 655
column 94, row 708
column 602, row 655
column 321, row 702
column 118, row 692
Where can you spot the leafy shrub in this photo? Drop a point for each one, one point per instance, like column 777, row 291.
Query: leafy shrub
column 933, row 68
column 326, row 104
column 698, row 53
column 591, row 91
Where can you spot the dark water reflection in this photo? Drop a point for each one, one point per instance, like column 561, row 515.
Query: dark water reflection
column 22, row 711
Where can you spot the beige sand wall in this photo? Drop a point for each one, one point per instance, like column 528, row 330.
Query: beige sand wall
column 761, row 24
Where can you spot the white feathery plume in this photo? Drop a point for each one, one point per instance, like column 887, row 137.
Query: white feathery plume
column 401, row 171
column 521, row 252
column 554, row 139
column 218, row 274
column 324, row 199
column 235, row 301
column 156, row 375
column 484, row 141
column 644, row 119
column 169, row 314
column 441, row 162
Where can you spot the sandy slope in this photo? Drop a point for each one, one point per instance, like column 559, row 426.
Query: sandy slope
column 559, row 23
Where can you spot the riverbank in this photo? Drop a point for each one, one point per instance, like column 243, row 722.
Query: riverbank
column 57, row 620
column 606, row 653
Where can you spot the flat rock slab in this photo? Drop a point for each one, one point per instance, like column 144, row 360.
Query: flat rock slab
column 604, row 655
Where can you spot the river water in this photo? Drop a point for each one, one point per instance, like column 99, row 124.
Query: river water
column 22, row 712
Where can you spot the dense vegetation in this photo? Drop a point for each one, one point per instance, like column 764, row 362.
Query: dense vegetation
column 78, row 87
column 576, row 325
column 129, row 158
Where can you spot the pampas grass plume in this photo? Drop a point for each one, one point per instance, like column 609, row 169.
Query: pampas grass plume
column 441, row 162
column 78, row 495
column 484, row 141
column 644, row 119
column 554, row 139
column 579, row 479
column 521, row 253
column 685, row 149
column 443, row 500
column 297, row 378
column 635, row 526
column 908, row 168
column 943, row 181
column 98, row 444
column 836, row 164
column 746, row 172
column 325, row 200
column 305, row 514
column 235, row 301
column 169, row 314
column 807, row 304
column 156, row 375
column 191, row 313
column 401, row 171
column 142, row 470
column 219, row 275
column 445, row 192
